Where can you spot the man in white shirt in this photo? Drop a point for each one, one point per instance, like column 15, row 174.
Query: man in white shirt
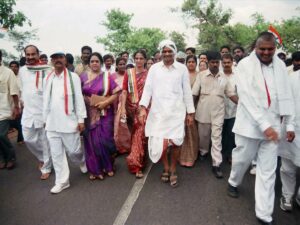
column 64, row 113
column 168, row 88
column 32, row 77
column 290, row 152
column 9, row 107
column 264, row 98
column 230, row 109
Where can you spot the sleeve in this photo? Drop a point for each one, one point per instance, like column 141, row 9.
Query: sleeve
column 229, row 89
column 125, row 82
column 13, row 84
column 290, row 121
column 79, row 101
column 187, row 92
column 245, row 98
column 197, row 85
column 46, row 99
column 114, row 88
column 147, row 92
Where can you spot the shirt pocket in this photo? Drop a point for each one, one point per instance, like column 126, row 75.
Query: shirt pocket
column 3, row 87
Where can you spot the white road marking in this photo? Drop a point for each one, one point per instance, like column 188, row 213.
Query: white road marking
column 131, row 199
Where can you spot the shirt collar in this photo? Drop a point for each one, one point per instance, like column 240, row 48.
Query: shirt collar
column 173, row 66
column 208, row 73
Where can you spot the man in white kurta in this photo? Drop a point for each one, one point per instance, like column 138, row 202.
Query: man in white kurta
column 168, row 88
column 64, row 113
column 290, row 152
column 32, row 87
column 264, row 97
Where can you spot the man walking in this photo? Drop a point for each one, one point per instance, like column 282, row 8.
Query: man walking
column 9, row 107
column 264, row 98
column 64, row 113
column 168, row 88
column 212, row 86
column 32, row 77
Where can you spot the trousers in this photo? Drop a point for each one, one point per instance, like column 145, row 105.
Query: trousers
column 62, row 144
column 36, row 141
column 242, row 156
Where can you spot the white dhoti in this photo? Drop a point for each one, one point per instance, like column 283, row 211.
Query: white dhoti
column 60, row 144
column 156, row 147
column 36, row 141
column 266, row 151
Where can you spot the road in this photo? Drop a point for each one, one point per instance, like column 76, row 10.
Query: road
column 200, row 198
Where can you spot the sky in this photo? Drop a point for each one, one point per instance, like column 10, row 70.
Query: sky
column 67, row 25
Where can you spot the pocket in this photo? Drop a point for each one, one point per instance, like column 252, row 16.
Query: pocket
column 3, row 87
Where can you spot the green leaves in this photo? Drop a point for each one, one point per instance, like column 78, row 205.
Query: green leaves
column 10, row 19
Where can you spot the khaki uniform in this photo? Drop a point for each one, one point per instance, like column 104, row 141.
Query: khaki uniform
column 210, row 111
column 80, row 68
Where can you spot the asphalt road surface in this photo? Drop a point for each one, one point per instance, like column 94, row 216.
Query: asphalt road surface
column 200, row 198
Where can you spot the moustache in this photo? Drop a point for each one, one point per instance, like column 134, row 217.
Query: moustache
column 58, row 62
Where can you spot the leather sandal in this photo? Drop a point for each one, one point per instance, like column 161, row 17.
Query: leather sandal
column 173, row 180
column 165, row 177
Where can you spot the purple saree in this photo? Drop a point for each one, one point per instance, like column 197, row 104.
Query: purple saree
column 99, row 131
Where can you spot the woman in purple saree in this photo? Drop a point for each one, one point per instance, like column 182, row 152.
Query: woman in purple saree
column 100, row 92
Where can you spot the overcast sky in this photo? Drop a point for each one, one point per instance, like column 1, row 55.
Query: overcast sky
column 67, row 25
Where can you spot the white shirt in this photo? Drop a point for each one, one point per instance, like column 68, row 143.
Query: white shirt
column 251, row 119
column 54, row 104
column 170, row 93
column 32, row 98
column 230, row 106
column 8, row 87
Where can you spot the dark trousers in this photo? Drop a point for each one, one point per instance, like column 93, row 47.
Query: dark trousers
column 7, row 152
column 17, row 125
column 228, row 142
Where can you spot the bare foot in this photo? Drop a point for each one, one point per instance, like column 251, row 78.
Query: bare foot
column 45, row 176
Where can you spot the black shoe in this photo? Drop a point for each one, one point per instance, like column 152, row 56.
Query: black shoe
column 264, row 222
column 232, row 191
column 217, row 171
column 203, row 157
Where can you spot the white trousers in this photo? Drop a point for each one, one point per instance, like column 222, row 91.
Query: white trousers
column 288, row 178
column 266, row 152
column 36, row 141
column 60, row 144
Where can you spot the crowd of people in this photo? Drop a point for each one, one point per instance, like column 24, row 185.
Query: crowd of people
column 174, row 107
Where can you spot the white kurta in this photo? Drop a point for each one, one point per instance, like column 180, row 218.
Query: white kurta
column 54, row 104
column 169, row 90
column 62, row 128
column 32, row 97
column 291, row 150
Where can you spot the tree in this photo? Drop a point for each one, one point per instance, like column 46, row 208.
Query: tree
column 22, row 38
column 209, row 18
column 290, row 34
column 146, row 38
column 8, row 57
column 10, row 19
column 118, row 27
column 179, row 39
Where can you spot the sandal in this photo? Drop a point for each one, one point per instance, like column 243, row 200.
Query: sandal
column 45, row 176
column 100, row 177
column 92, row 177
column 173, row 180
column 139, row 174
column 110, row 174
column 164, row 177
